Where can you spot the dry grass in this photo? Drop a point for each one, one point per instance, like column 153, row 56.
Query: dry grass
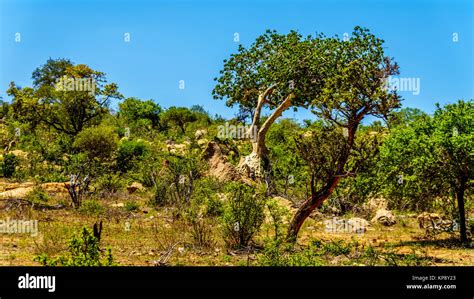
column 148, row 237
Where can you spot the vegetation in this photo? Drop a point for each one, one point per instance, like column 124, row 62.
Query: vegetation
column 170, row 189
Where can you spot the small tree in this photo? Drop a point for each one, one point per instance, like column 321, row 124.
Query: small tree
column 355, row 88
column 141, row 113
column 180, row 116
column 67, row 106
column 434, row 157
column 243, row 214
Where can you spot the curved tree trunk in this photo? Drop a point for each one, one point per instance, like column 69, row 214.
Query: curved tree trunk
column 318, row 197
column 257, row 163
column 313, row 202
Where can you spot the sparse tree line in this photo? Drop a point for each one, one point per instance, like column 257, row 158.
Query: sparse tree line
column 418, row 162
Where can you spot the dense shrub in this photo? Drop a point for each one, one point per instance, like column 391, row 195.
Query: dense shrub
column 10, row 162
column 129, row 152
column 243, row 214
column 110, row 183
column 97, row 142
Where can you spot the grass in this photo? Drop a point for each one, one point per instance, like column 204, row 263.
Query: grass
column 149, row 237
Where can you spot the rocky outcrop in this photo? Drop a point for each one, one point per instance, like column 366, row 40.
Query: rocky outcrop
column 384, row 217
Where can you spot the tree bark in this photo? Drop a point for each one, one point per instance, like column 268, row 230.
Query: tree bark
column 318, row 197
column 462, row 214
column 313, row 202
column 255, row 164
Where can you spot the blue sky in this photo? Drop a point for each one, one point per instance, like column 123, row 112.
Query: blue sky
column 187, row 40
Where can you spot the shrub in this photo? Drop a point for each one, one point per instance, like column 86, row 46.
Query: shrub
column 10, row 162
column 37, row 194
column 243, row 214
column 84, row 250
column 131, row 206
column 176, row 181
column 110, row 183
column 130, row 151
column 277, row 215
column 91, row 208
column 278, row 253
column 97, row 142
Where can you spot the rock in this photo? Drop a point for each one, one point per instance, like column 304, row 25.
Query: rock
column 118, row 205
column 176, row 148
column 426, row 219
column 375, row 204
column 135, row 186
column 202, row 142
column 17, row 193
column 384, row 217
column 19, row 153
column 200, row 133
column 56, row 187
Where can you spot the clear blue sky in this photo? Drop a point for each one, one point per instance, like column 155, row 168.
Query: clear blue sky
column 187, row 40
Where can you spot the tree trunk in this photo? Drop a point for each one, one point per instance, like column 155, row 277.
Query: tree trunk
column 462, row 215
column 257, row 163
column 317, row 198
column 313, row 202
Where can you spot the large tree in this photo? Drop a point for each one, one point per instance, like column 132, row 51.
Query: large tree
column 64, row 96
column 355, row 87
column 275, row 73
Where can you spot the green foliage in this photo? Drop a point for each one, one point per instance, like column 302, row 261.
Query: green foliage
column 84, row 251
column 429, row 157
column 141, row 114
column 322, row 253
column 91, row 207
column 37, row 195
column 176, row 181
column 277, row 214
column 131, row 206
column 9, row 164
column 130, row 152
column 67, row 110
column 243, row 214
column 110, row 183
column 97, row 142
column 179, row 116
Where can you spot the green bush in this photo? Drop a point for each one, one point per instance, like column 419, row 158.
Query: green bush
column 37, row 195
column 97, row 142
column 278, row 253
column 243, row 214
column 10, row 162
column 84, row 250
column 131, row 206
column 91, row 208
column 129, row 152
column 110, row 183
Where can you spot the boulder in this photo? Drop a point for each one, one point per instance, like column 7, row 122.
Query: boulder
column 200, row 133
column 384, row 217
